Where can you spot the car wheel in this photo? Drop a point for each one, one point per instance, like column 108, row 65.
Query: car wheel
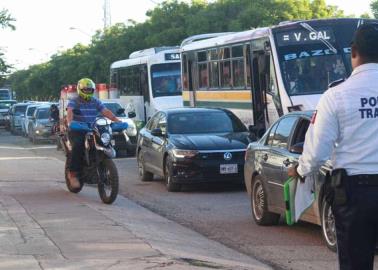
column 143, row 174
column 259, row 204
column 171, row 187
column 328, row 225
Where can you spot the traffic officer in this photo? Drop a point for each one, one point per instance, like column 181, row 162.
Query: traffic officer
column 344, row 128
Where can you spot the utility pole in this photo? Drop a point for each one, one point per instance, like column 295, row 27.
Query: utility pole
column 107, row 18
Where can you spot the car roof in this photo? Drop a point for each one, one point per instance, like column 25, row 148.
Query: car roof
column 7, row 100
column 191, row 109
column 43, row 107
column 306, row 114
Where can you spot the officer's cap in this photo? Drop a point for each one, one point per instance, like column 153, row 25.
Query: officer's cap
column 365, row 40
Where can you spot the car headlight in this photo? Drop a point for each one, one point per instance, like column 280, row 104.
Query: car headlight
column 105, row 138
column 179, row 153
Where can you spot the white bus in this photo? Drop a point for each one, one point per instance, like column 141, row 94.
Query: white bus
column 264, row 73
column 148, row 81
column 6, row 94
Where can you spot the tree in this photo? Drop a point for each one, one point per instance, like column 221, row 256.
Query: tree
column 168, row 24
column 374, row 8
column 5, row 22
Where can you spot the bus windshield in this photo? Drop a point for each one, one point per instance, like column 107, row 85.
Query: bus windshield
column 4, row 94
column 166, row 79
column 311, row 59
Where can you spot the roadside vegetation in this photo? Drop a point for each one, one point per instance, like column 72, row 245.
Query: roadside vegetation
column 166, row 25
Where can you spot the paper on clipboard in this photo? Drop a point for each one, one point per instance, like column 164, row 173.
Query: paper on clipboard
column 304, row 196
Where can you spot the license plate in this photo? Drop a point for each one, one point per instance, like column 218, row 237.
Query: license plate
column 112, row 142
column 228, row 168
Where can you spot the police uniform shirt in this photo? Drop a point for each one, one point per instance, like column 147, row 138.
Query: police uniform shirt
column 345, row 126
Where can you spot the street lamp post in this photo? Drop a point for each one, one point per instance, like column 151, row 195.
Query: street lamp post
column 81, row 31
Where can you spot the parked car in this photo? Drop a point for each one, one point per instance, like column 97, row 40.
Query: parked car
column 5, row 105
column 28, row 117
column 192, row 145
column 40, row 127
column 265, row 172
column 124, row 145
column 16, row 115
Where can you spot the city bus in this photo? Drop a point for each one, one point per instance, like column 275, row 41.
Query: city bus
column 263, row 73
column 148, row 81
column 6, row 94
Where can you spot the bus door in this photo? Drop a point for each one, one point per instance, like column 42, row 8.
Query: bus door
column 260, row 65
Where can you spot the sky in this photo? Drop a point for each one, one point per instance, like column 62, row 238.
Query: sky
column 45, row 27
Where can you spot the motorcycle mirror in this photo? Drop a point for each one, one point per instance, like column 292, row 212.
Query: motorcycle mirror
column 131, row 114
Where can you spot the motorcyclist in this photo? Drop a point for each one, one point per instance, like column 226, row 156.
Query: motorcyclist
column 83, row 108
column 54, row 117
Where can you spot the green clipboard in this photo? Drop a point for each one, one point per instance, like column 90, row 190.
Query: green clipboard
column 289, row 197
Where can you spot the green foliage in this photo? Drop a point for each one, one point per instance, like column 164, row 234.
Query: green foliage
column 374, row 8
column 168, row 24
column 5, row 22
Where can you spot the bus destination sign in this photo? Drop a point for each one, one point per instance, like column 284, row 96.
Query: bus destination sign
column 304, row 37
column 172, row 56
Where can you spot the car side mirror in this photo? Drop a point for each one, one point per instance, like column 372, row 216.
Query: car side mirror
column 120, row 111
column 297, row 148
column 157, row 132
column 131, row 114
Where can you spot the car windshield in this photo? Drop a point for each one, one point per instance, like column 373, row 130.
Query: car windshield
column 6, row 105
column 204, row 122
column 20, row 110
column 166, row 79
column 114, row 107
column 43, row 114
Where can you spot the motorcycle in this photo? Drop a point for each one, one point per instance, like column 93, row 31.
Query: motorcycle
column 98, row 167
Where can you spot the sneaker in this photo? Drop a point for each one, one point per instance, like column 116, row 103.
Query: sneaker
column 74, row 181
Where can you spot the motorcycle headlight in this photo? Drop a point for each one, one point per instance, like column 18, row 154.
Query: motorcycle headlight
column 105, row 138
column 178, row 153
column 131, row 130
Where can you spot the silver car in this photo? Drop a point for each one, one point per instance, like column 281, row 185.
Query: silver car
column 265, row 172
column 40, row 127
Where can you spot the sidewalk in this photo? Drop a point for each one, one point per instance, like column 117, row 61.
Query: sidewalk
column 43, row 226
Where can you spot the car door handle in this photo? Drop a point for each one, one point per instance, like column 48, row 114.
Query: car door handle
column 287, row 162
column 265, row 157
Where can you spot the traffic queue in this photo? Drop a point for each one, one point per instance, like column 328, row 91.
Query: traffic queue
column 207, row 143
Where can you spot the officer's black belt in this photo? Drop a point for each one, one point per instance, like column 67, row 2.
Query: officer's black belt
column 364, row 179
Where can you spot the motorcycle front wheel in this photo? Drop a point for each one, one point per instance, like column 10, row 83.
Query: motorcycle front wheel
column 108, row 181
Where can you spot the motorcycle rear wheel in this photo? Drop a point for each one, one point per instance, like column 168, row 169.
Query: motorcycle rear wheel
column 108, row 181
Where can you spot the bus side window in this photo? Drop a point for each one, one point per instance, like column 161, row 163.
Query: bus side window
column 225, row 67
column 202, row 69
column 213, row 69
column 238, row 67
